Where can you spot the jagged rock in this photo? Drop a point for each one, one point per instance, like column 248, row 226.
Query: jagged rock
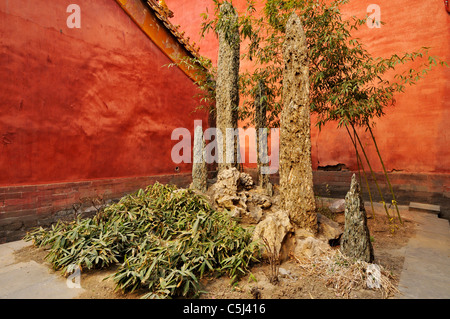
column 260, row 200
column 246, row 181
column 255, row 214
column 338, row 206
column 310, row 247
column 226, row 201
column 296, row 179
column 243, row 200
column 266, row 204
column 373, row 275
column 327, row 228
column 269, row 189
column 236, row 212
column 227, row 182
column 274, row 228
column 355, row 241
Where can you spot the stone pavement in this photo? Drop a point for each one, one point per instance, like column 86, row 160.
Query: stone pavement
column 30, row 280
column 426, row 270
column 425, row 274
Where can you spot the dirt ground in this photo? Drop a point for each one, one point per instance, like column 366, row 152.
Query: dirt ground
column 298, row 284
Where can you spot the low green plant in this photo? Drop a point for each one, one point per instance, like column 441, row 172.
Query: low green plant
column 164, row 238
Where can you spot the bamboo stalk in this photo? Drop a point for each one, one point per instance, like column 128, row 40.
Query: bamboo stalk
column 357, row 160
column 360, row 164
column 372, row 173
column 394, row 201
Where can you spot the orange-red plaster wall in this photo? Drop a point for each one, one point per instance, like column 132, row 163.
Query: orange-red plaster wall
column 413, row 136
column 88, row 103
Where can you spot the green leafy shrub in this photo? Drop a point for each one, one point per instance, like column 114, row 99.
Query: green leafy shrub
column 165, row 239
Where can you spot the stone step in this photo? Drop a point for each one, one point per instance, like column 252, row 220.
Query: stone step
column 425, row 207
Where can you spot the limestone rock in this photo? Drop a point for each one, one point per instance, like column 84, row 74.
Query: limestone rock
column 327, row 228
column 260, row 200
column 246, row 181
column 254, row 214
column 227, row 182
column 269, row 189
column 227, row 84
column 355, row 241
column 199, row 167
column 226, row 201
column 274, row 228
column 236, row 212
column 373, row 275
column 296, row 179
column 310, row 247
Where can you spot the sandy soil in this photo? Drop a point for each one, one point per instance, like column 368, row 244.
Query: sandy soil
column 299, row 284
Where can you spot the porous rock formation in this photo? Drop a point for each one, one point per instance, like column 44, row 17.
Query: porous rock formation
column 227, row 85
column 355, row 241
column 296, row 179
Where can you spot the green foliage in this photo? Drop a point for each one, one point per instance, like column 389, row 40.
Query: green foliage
column 165, row 238
column 348, row 86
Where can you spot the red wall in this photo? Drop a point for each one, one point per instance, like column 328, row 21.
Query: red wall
column 89, row 103
column 412, row 137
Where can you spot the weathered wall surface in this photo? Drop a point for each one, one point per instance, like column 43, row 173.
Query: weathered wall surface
column 95, row 102
column 88, row 104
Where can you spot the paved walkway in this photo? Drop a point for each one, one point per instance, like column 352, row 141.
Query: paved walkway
column 30, row 280
column 426, row 272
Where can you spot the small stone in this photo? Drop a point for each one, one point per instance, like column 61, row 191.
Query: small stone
column 266, row 204
column 274, row 229
column 373, row 275
column 236, row 212
column 284, row 273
